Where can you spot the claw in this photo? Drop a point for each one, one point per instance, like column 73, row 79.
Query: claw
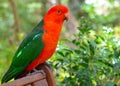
column 35, row 71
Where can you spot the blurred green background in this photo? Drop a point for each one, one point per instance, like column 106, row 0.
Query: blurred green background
column 88, row 53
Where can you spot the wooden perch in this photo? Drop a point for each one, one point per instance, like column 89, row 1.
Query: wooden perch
column 37, row 79
column 26, row 80
column 49, row 75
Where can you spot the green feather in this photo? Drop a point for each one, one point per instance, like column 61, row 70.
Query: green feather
column 27, row 52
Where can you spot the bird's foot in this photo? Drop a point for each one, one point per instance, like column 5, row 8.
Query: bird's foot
column 35, row 71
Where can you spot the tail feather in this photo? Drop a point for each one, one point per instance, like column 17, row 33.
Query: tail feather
column 11, row 73
column 8, row 75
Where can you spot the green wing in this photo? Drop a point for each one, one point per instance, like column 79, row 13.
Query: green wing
column 28, row 51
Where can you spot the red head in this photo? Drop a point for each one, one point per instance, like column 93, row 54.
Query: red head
column 57, row 14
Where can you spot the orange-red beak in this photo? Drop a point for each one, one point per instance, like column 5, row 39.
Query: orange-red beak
column 66, row 16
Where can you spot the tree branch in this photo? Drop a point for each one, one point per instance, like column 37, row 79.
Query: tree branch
column 59, row 1
column 16, row 19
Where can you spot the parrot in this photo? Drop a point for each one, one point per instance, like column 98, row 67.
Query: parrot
column 40, row 44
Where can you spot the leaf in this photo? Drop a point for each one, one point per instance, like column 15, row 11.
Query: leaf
column 92, row 46
column 110, row 84
column 60, row 53
column 116, row 66
column 86, row 83
column 116, row 53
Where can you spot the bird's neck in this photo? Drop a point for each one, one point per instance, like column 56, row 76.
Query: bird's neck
column 52, row 19
column 52, row 27
column 51, row 33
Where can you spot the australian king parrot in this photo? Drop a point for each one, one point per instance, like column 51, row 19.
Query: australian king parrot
column 39, row 44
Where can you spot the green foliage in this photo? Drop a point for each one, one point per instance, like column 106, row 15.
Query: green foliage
column 95, row 60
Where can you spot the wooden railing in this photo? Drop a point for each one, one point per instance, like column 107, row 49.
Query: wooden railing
column 37, row 79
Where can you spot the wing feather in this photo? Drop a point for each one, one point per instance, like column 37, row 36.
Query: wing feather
column 27, row 52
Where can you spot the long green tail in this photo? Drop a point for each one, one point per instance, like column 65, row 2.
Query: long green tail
column 9, row 75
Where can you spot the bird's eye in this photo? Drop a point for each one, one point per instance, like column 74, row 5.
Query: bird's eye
column 59, row 11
